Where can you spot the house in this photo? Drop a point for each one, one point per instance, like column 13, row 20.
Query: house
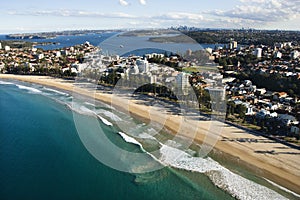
column 268, row 105
column 39, row 56
column 2, row 66
column 279, row 95
column 274, row 115
column 295, row 130
column 249, row 109
column 262, row 114
column 261, row 91
column 252, row 99
column 247, row 83
column 288, row 119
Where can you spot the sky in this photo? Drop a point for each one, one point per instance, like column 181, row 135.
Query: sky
column 18, row 16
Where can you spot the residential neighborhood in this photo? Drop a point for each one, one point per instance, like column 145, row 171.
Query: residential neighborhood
column 261, row 83
column 31, row 60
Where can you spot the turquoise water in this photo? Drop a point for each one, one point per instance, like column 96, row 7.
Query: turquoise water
column 42, row 157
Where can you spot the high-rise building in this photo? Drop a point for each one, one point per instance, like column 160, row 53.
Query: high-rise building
column 258, row 52
column 183, row 83
column 295, row 54
column 7, row 48
column 217, row 94
column 58, row 54
column 277, row 54
column 143, row 65
column 218, row 100
column 278, row 45
column 209, row 50
column 189, row 52
column 153, row 79
column 233, row 44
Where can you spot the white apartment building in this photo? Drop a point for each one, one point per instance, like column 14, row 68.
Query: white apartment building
column 182, row 81
column 258, row 52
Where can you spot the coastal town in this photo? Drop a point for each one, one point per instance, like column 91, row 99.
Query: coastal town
column 152, row 100
column 260, row 82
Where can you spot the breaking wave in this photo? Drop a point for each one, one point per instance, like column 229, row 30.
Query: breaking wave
column 56, row 91
column 30, row 89
column 6, row 83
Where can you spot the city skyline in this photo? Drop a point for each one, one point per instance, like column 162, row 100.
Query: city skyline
column 33, row 16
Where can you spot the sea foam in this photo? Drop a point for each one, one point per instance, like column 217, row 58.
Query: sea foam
column 283, row 188
column 79, row 108
column 105, row 121
column 130, row 140
column 56, row 91
column 236, row 185
column 90, row 104
column 110, row 115
column 30, row 89
column 5, row 83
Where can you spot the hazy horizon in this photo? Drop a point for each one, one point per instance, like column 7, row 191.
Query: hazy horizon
column 32, row 16
column 132, row 29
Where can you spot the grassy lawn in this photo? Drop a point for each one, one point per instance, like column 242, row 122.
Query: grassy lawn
column 251, row 126
column 239, row 121
column 236, row 120
column 200, row 69
column 292, row 140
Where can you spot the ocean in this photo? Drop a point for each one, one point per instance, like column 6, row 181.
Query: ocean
column 42, row 156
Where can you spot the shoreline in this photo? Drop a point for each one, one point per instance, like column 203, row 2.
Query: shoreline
column 282, row 169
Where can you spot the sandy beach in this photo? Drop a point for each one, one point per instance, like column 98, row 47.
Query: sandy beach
column 271, row 160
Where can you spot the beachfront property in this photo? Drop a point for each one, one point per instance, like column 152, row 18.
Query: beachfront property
column 30, row 60
column 85, row 60
column 263, row 89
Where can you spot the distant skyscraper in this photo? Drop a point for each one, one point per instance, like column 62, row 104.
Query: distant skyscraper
column 233, row 44
column 143, row 65
column 258, row 52
column 0, row 45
